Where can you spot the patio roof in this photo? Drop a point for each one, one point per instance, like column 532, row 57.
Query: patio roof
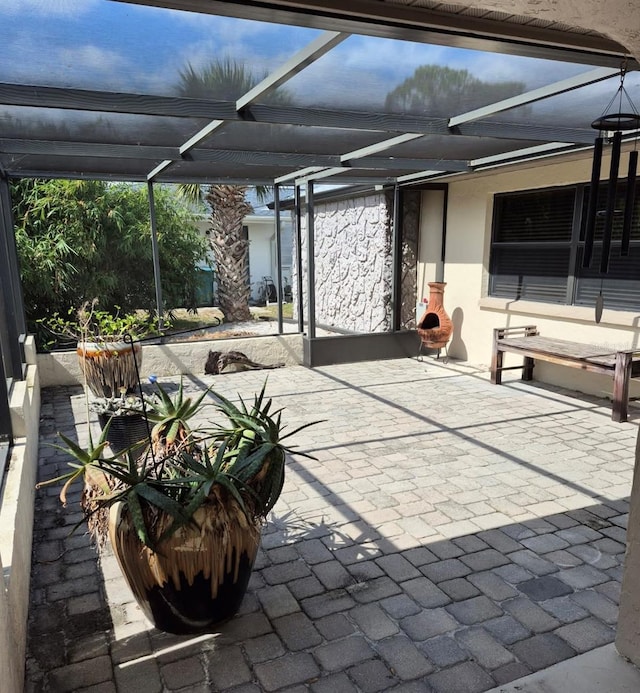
column 334, row 100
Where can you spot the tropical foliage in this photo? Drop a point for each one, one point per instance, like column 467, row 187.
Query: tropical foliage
column 436, row 90
column 90, row 324
column 81, row 239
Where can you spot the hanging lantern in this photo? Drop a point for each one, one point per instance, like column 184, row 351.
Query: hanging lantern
column 611, row 127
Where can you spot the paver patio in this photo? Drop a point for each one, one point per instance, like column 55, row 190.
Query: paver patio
column 451, row 536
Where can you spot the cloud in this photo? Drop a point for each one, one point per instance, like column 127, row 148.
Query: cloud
column 47, row 8
column 91, row 59
column 81, row 66
column 217, row 25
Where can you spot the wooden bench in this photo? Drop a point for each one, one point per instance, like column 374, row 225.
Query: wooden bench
column 621, row 365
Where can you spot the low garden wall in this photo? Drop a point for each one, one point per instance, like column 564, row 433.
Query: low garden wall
column 16, row 524
column 61, row 367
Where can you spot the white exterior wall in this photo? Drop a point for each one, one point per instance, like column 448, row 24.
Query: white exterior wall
column 261, row 234
column 466, row 272
column 430, row 241
column 262, row 260
column 353, row 263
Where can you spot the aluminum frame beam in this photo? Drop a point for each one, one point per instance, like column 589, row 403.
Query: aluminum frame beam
column 201, row 135
column 379, row 146
column 278, row 239
column 6, row 431
column 520, row 154
column 312, row 162
column 297, row 174
column 293, row 66
column 160, row 106
column 311, row 262
column 326, row 173
column 159, row 169
column 396, row 259
column 415, row 177
column 183, row 107
column 396, row 163
column 156, row 253
column 523, row 131
column 561, row 87
column 297, row 196
column 12, row 325
column 307, row 55
column 355, row 155
column 94, row 149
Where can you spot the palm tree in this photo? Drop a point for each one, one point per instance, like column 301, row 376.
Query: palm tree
column 225, row 79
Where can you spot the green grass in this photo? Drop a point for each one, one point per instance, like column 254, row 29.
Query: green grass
column 272, row 311
column 183, row 320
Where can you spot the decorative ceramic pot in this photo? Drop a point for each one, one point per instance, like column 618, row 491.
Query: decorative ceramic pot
column 197, row 578
column 110, row 367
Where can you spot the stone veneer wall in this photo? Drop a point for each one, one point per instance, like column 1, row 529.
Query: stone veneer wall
column 409, row 280
column 353, row 263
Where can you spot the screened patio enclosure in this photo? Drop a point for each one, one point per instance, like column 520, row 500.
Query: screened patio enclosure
column 115, row 90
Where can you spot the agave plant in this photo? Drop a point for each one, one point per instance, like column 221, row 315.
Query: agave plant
column 255, row 452
column 171, row 416
column 185, row 468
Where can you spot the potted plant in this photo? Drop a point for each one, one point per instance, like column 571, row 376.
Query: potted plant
column 185, row 517
column 129, row 429
column 106, row 345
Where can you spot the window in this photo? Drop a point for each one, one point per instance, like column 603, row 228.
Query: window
column 538, row 243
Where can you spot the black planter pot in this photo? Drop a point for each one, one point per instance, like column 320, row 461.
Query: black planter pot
column 126, row 431
column 197, row 579
column 189, row 606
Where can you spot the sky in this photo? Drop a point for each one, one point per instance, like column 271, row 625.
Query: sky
column 100, row 44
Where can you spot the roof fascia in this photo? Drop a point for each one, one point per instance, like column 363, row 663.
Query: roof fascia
column 411, row 23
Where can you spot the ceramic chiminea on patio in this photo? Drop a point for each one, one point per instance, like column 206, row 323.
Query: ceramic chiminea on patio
column 435, row 326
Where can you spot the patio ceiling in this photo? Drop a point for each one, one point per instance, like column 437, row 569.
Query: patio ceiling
column 101, row 92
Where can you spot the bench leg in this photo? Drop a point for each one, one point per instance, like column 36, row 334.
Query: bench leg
column 621, row 377
column 496, row 365
column 527, row 368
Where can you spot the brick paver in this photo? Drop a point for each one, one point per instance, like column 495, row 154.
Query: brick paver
column 444, row 547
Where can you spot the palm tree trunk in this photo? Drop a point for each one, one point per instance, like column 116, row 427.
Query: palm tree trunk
column 229, row 207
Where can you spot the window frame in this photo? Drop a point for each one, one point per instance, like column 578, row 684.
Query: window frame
column 574, row 245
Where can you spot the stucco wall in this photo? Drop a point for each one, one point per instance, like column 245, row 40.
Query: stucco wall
column 617, row 19
column 353, row 263
column 469, row 219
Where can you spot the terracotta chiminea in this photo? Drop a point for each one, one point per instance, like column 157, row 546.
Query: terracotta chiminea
column 435, row 326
